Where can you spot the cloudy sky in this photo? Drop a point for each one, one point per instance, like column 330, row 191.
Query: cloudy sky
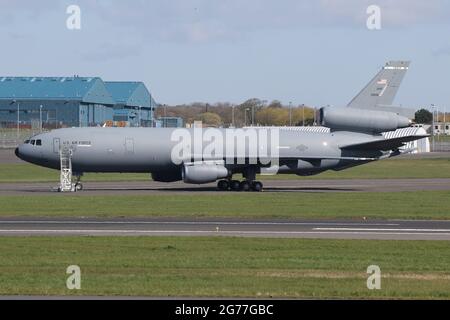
column 316, row 52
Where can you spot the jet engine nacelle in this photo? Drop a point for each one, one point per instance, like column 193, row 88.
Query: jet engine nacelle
column 361, row 120
column 203, row 173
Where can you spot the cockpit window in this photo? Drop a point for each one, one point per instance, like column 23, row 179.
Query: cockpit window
column 27, row 142
column 33, row 142
column 39, row 142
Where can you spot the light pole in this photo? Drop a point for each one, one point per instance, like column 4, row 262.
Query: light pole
column 445, row 111
column 245, row 116
column 18, row 120
column 152, row 113
column 303, row 114
column 232, row 116
column 40, row 118
column 315, row 114
column 165, row 116
column 433, row 127
column 290, row 113
column 139, row 116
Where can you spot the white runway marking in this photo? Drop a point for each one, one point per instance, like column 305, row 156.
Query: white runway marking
column 212, row 232
column 201, row 223
column 346, row 229
column 383, row 230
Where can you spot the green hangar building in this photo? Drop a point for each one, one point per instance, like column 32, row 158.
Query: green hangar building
column 73, row 102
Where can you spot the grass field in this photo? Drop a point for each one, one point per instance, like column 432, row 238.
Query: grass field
column 441, row 138
column 392, row 168
column 23, row 172
column 219, row 267
column 230, row 267
column 380, row 205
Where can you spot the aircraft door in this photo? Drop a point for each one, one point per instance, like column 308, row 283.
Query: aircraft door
column 129, row 146
column 56, row 145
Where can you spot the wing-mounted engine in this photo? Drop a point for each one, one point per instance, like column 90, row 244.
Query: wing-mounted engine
column 203, row 172
column 360, row 120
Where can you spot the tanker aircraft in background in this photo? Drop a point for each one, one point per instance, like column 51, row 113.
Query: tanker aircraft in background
column 201, row 156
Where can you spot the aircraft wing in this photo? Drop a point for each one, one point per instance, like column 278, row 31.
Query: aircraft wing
column 384, row 144
column 336, row 158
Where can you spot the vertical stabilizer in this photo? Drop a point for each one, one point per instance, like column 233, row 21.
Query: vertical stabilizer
column 381, row 90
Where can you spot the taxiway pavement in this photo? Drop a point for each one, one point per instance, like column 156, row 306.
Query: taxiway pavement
column 319, row 229
column 291, row 185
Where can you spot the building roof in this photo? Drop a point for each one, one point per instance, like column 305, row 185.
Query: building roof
column 84, row 89
column 134, row 94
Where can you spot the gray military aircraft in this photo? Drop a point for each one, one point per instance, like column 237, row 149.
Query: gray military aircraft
column 200, row 156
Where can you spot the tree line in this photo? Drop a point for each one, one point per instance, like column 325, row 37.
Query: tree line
column 252, row 111
column 256, row 112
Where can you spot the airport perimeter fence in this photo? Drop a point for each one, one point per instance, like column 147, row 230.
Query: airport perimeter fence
column 441, row 144
column 10, row 138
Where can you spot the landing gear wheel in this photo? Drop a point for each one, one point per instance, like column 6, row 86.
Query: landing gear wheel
column 245, row 186
column 223, row 185
column 78, row 187
column 235, row 185
column 257, row 186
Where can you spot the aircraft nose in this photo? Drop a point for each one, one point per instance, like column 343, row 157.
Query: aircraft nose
column 19, row 152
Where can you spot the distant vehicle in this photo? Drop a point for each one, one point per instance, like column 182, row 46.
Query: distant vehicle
column 200, row 156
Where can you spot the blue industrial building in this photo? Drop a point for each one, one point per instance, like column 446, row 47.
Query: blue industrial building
column 133, row 103
column 73, row 101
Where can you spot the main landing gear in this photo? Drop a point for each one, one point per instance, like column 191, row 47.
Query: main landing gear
column 248, row 184
column 235, row 185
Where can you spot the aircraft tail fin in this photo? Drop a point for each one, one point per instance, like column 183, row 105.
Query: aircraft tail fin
column 380, row 92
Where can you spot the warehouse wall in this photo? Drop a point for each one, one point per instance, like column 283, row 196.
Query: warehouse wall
column 53, row 112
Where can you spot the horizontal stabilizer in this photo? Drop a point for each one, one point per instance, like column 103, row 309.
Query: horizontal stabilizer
column 384, row 144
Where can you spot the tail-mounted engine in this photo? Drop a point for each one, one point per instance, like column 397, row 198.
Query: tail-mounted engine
column 361, row 120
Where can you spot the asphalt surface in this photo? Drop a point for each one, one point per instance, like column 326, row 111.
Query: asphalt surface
column 326, row 229
column 295, row 185
column 299, row 185
column 8, row 156
column 336, row 229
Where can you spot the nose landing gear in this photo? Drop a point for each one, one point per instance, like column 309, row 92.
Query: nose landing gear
column 78, row 184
